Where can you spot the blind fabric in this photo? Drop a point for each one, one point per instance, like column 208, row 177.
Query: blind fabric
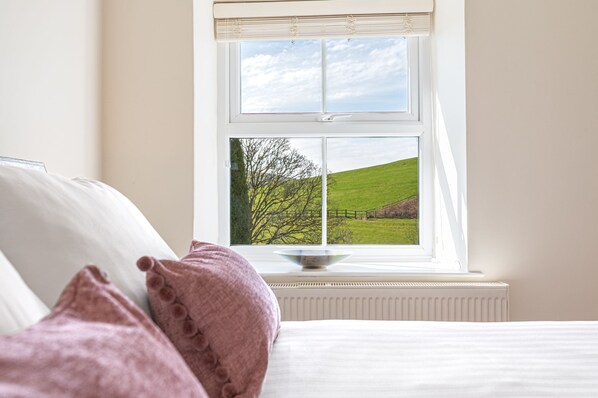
column 295, row 8
column 318, row 27
column 303, row 19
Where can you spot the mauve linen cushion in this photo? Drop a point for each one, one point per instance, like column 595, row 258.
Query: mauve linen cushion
column 219, row 313
column 95, row 343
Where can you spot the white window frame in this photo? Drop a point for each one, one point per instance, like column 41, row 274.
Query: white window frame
column 237, row 117
column 415, row 123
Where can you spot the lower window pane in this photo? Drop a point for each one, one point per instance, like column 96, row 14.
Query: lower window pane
column 372, row 189
column 276, row 191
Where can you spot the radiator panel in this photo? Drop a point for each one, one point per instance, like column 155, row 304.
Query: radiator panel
column 425, row 301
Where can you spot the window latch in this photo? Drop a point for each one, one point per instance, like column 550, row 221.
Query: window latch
column 331, row 117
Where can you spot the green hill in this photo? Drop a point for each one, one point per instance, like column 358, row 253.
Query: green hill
column 373, row 187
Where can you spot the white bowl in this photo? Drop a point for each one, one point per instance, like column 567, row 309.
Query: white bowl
column 314, row 258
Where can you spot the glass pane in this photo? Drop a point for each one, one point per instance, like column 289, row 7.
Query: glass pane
column 373, row 193
column 281, row 76
column 276, row 191
column 367, row 75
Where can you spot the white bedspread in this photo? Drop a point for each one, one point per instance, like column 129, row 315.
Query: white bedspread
column 429, row 359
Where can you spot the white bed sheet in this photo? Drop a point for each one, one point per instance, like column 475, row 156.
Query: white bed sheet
column 433, row 359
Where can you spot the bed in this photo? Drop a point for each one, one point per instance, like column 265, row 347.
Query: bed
column 327, row 358
column 343, row 358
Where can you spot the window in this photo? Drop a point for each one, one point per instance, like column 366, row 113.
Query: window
column 221, row 122
column 327, row 143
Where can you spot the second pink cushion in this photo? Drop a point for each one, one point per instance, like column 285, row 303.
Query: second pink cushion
column 219, row 313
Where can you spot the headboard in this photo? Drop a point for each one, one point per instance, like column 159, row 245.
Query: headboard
column 25, row 164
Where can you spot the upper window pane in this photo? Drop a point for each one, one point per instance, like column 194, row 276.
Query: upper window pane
column 359, row 75
column 281, row 76
column 367, row 75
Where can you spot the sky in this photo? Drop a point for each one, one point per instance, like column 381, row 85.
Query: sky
column 355, row 153
column 361, row 75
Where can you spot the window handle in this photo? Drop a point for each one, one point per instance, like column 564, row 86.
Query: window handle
column 331, row 117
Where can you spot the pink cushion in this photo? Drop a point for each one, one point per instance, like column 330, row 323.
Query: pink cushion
column 219, row 313
column 95, row 343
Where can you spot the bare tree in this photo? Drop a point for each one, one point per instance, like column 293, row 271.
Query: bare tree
column 285, row 193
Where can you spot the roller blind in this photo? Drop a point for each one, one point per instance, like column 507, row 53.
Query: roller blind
column 236, row 20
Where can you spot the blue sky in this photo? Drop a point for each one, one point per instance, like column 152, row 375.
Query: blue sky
column 361, row 75
column 355, row 153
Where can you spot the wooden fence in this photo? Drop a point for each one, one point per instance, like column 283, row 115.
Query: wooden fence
column 346, row 213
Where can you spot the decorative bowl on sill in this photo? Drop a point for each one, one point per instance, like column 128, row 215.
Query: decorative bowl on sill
column 313, row 258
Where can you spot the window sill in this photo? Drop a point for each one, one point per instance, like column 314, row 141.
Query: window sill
column 288, row 272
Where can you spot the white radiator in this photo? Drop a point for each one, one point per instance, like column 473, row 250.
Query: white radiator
column 426, row 301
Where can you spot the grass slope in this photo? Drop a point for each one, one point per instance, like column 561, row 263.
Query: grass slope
column 373, row 187
column 383, row 232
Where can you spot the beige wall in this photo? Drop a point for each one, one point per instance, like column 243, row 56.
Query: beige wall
column 532, row 125
column 49, row 80
column 531, row 91
column 147, row 110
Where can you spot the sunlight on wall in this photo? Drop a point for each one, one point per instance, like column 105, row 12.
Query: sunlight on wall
column 448, row 71
column 451, row 213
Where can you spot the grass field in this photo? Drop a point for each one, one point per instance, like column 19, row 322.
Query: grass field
column 383, row 231
column 373, row 187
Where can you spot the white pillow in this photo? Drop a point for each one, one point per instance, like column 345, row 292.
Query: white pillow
column 19, row 306
column 51, row 226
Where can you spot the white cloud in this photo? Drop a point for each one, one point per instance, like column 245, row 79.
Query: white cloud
column 287, row 79
column 366, row 75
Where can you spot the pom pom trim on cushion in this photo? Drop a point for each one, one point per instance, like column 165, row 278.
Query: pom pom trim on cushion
column 221, row 373
column 178, row 311
column 200, row 343
column 228, row 391
column 145, row 263
column 155, row 281
column 189, row 327
column 209, row 358
column 167, row 294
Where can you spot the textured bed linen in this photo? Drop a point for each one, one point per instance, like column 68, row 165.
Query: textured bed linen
column 427, row 359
